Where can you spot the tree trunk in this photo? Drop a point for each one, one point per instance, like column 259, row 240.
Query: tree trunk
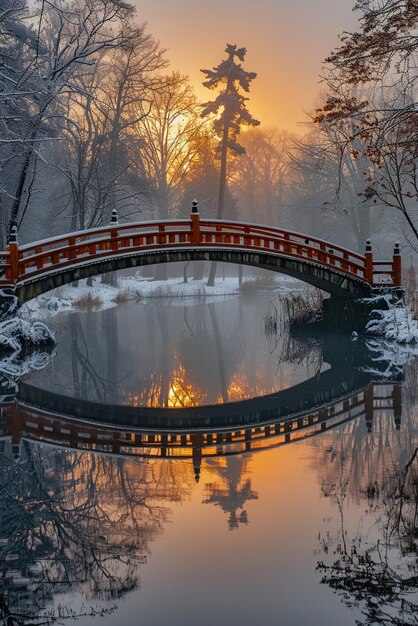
column 219, row 352
column 109, row 279
column 221, row 198
column 161, row 272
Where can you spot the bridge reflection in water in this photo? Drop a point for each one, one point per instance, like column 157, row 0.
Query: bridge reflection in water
column 78, row 492
column 242, row 432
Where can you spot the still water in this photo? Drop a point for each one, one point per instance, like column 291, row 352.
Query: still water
column 232, row 514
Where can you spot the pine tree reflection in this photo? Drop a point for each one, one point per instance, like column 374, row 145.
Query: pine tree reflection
column 233, row 490
column 78, row 523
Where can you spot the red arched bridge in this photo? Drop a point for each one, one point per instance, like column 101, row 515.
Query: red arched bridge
column 34, row 268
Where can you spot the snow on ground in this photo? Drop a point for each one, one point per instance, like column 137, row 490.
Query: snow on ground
column 102, row 296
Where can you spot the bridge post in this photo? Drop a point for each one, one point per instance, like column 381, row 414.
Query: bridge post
column 115, row 217
column 114, row 221
column 196, row 235
column 368, row 268
column 197, row 443
column 397, row 404
column 369, row 407
column 397, row 266
column 13, row 249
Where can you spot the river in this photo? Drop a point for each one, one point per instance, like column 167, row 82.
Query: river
column 182, row 462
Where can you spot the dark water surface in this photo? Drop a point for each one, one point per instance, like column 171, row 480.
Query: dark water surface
column 167, row 355
column 259, row 520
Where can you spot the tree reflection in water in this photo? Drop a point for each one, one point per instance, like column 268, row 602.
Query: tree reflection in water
column 374, row 566
column 233, row 490
column 81, row 523
column 78, row 523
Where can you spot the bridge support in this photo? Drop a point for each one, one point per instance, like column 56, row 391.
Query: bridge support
column 9, row 303
column 345, row 314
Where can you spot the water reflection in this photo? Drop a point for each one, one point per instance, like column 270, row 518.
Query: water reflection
column 231, row 489
column 106, row 507
column 52, row 419
column 162, row 356
column 79, row 523
column 76, row 528
column 374, row 564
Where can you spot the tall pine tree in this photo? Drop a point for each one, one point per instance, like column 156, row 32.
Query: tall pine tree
column 230, row 108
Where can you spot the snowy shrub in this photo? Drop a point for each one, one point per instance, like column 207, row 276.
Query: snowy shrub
column 24, row 347
column 396, row 323
column 16, row 333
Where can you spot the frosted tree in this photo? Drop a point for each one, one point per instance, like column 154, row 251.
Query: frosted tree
column 63, row 43
column 231, row 113
column 101, row 115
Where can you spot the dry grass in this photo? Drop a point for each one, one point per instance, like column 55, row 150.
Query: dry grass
column 273, row 321
column 123, row 296
column 87, row 302
column 304, row 307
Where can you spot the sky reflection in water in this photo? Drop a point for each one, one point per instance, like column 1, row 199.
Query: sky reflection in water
column 81, row 530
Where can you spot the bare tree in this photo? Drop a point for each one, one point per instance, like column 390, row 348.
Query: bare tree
column 260, row 175
column 382, row 55
column 102, row 114
column 169, row 138
column 65, row 41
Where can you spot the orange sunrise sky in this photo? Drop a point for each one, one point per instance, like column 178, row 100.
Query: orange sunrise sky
column 286, row 42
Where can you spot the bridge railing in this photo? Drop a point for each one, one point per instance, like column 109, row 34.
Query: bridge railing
column 78, row 247
column 25, row 262
column 264, row 238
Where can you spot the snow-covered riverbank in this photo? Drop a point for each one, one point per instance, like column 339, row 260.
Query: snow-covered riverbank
column 395, row 322
column 100, row 296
